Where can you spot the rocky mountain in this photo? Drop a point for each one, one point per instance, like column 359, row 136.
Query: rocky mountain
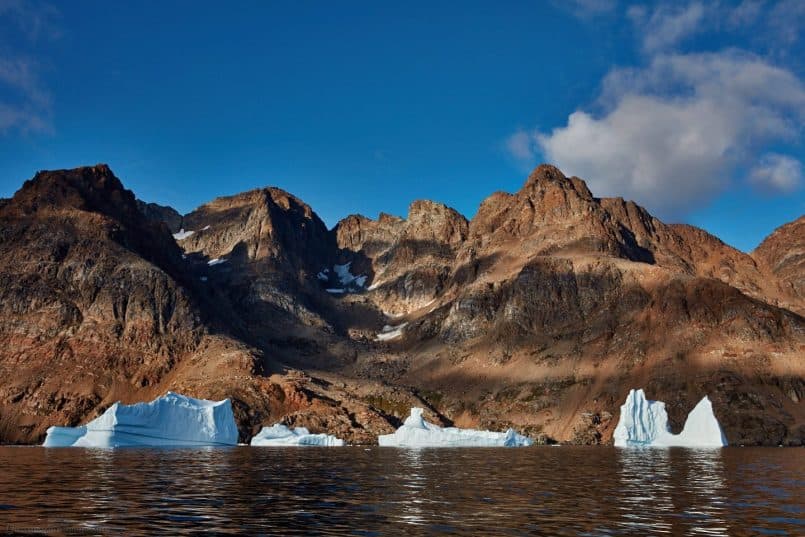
column 98, row 303
column 540, row 313
column 782, row 259
column 160, row 213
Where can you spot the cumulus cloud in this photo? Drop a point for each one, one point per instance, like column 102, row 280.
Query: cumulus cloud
column 672, row 133
column 787, row 20
column 779, row 173
column 35, row 19
column 25, row 103
column 667, row 24
column 588, row 9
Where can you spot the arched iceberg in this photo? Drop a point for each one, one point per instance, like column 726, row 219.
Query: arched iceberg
column 416, row 432
column 170, row 420
column 280, row 435
column 645, row 423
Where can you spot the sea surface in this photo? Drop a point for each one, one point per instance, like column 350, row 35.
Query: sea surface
column 385, row 491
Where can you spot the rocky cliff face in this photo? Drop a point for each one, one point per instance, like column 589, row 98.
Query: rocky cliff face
column 98, row 303
column 161, row 213
column 408, row 259
column 540, row 313
column 781, row 258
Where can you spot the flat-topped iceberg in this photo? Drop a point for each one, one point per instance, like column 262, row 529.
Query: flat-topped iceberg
column 170, row 420
column 280, row 435
column 645, row 423
column 416, row 432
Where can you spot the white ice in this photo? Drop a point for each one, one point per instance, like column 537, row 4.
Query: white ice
column 170, row 420
column 346, row 277
column 182, row 234
column 348, row 281
column 416, row 432
column 216, row 261
column 645, row 423
column 280, row 435
column 391, row 332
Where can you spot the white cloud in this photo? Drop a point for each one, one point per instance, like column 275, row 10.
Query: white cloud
column 519, row 145
column 25, row 103
column 787, row 20
column 777, row 172
column 671, row 134
column 588, row 9
column 34, row 19
column 744, row 14
column 666, row 25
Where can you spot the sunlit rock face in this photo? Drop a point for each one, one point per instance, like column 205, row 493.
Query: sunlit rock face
column 645, row 423
column 416, row 432
column 170, row 420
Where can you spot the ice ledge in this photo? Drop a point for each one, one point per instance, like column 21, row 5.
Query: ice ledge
column 170, row 420
column 416, row 433
column 280, row 435
column 645, row 423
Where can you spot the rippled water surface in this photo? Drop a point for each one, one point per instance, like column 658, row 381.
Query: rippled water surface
column 383, row 491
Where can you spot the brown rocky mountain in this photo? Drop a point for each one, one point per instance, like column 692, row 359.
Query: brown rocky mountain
column 781, row 257
column 541, row 312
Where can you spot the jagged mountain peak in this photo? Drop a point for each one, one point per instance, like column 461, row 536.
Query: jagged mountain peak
column 546, row 176
column 87, row 188
column 548, row 296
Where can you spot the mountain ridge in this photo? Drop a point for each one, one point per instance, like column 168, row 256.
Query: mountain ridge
column 536, row 313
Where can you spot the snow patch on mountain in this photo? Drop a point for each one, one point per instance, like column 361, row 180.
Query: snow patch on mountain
column 391, row 332
column 342, row 277
column 182, row 234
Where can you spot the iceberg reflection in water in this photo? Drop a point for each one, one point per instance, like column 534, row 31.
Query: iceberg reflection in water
column 358, row 491
column 664, row 491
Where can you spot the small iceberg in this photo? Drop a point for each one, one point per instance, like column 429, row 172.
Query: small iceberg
column 170, row 420
column 280, row 435
column 645, row 423
column 416, row 433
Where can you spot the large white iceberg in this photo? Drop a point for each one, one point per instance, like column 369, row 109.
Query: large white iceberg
column 416, row 432
column 280, row 435
column 645, row 423
column 170, row 420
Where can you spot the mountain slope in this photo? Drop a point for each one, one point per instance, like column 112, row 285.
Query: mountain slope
column 558, row 302
column 781, row 256
column 97, row 304
column 540, row 313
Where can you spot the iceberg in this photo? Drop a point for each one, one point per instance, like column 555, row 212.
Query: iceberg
column 645, row 423
column 280, row 435
column 170, row 420
column 416, row 432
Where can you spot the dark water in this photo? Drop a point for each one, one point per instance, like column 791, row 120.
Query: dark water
column 383, row 491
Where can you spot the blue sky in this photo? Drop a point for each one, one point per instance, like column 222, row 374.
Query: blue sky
column 695, row 110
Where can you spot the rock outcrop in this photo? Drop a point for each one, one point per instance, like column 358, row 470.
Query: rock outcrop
column 781, row 256
column 538, row 314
